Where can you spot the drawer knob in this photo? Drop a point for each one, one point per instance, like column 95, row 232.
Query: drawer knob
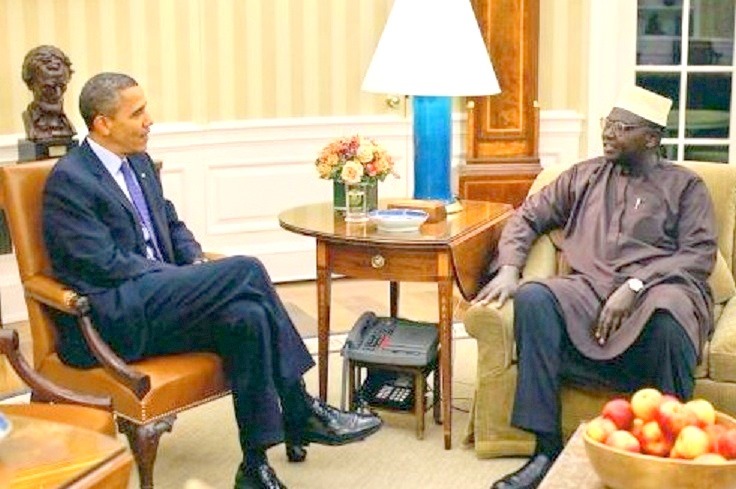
column 378, row 261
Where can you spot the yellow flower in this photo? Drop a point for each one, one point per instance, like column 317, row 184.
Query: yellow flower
column 352, row 172
column 324, row 169
column 365, row 152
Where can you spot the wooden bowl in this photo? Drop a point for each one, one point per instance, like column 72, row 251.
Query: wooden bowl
column 619, row 469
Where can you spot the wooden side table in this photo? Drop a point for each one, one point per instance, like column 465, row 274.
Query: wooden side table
column 40, row 453
column 457, row 249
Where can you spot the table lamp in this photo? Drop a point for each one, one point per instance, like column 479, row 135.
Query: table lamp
column 432, row 50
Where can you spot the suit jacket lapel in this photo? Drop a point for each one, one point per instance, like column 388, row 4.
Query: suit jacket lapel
column 109, row 184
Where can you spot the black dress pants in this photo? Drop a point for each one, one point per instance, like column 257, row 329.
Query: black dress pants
column 230, row 307
column 663, row 356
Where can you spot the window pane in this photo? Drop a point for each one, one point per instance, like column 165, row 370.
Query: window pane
column 717, row 154
column 708, row 105
column 667, row 84
column 659, row 27
column 669, row 151
column 711, row 33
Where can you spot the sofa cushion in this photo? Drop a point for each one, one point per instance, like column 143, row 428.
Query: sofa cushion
column 721, row 281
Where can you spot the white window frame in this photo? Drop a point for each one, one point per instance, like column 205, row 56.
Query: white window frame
column 611, row 64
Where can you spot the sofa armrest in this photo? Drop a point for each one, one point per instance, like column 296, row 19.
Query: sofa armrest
column 722, row 354
column 493, row 329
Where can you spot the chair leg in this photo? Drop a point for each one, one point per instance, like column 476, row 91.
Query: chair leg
column 143, row 440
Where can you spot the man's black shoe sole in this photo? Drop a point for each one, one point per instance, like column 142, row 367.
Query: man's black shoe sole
column 341, row 440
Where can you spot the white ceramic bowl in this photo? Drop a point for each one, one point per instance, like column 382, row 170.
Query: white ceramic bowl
column 398, row 220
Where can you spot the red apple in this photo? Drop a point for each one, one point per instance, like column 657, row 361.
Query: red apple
column 727, row 444
column 703, row 410
column 673, row 416
column 668, row 397
column 599, row 428
column 636, row 426
column 623, row 440
column 691, row 443
column 619, row 411
column 644, row 403
column 653, row 440
column 714, row 432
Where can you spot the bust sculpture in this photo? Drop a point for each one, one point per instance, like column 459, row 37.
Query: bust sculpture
column 46, row 72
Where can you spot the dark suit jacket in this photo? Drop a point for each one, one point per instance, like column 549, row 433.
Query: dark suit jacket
column 96, row 246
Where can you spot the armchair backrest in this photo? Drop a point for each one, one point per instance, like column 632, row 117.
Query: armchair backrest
column 721, row 182
column 21, row 192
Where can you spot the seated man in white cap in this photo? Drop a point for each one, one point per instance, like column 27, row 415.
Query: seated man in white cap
column 640, row 237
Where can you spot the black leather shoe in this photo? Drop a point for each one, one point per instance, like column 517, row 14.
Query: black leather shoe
column 295, row 452
column 527, row 477
column 258, row 477
column 327, row 425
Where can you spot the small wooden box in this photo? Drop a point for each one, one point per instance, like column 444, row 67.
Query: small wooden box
column 435, row 208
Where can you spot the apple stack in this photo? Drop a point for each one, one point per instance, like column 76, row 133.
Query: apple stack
column 661, row 425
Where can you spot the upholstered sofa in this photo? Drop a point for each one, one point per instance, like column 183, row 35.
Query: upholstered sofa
column 489, row 429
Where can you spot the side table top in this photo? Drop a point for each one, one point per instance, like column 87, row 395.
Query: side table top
column 470, row 235
column 41, row 453
column 572, row 469
column 321, row 221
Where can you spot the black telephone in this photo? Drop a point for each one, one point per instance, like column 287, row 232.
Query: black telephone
column 392, row 341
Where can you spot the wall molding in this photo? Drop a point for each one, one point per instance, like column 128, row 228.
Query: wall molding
column 229, row 180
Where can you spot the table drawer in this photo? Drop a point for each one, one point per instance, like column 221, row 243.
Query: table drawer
column 385, row 264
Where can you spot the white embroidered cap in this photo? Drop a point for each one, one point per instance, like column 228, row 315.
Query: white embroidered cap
column 644, row 103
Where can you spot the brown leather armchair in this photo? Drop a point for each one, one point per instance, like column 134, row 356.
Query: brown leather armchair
column 146, row 395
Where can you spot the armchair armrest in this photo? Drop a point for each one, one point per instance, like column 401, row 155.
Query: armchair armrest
column 53, row 294
column 493, row 329
column 722, row 353
column 42, row 387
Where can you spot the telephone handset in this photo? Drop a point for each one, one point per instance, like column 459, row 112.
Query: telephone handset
column 357, row 333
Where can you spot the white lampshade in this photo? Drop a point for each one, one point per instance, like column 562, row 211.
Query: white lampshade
column 431, row 47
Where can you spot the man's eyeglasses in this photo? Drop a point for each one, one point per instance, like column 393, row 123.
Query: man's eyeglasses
column 619, row 128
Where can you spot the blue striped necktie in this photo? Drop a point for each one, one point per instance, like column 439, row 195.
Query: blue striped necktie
column 139, row 202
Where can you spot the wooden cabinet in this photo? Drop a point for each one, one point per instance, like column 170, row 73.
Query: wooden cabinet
column 503, row 130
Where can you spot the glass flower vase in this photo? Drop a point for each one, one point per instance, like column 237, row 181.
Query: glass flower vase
column 356, row 202
column 338, row 196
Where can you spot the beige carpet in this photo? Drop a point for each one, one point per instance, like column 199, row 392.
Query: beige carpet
column 204, row 446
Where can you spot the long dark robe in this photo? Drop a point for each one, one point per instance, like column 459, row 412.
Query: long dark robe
column 655, row 223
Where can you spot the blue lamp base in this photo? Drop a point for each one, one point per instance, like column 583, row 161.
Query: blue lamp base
column 432, row 144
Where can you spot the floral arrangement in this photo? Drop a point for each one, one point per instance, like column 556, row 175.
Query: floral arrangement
column 354, row 159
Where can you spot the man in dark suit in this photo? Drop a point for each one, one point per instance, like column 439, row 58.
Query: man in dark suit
column 112, row 236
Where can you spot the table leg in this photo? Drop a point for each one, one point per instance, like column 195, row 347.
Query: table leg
column 394, row 298
column 420, row 388
column 324, row 284
column 445, row 332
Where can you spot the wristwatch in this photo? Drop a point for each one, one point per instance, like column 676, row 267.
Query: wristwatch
column 635, row 284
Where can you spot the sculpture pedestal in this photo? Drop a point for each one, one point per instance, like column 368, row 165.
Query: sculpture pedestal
column 48, row 148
